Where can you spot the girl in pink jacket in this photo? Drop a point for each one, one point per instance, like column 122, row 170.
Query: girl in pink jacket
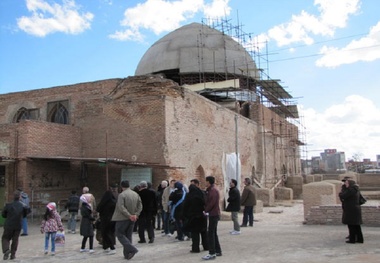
column 50, row 224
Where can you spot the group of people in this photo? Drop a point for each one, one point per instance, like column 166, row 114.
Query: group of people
column 190, row 211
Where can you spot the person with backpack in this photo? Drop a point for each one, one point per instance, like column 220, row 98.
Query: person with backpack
column 72, row 206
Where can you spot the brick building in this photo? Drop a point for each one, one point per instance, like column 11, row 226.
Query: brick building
column 149, row 126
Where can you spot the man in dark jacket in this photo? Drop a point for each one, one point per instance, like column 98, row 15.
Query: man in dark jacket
column 149, row 204
column 73, row 207
column 352, row 213
column 13, row 213
column 248, row 200
column 195, row 221
column 234, row 206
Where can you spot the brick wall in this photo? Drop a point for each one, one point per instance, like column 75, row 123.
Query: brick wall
column 332, row 215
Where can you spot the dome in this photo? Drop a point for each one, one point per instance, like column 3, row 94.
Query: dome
column 197, row 48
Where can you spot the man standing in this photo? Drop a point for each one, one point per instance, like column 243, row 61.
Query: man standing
column 128, row 208
column 212, row 210
column 73, row 207
column 248, row 200
column 149, row 210
column 25, row 200
column 13, row 213
column 234, row 206
column 166, row 207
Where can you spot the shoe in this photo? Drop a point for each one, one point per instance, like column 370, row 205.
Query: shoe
column 52, row 253
column 6, row 254
column 164, row 235
column 186, row 238
column 218, row 254
column 243, row 226
column 45, row 252
column 23, row 234
column 350, row 242
column 111, row 252
column 235, row 233
column 169, row 235
column 131, row 255
column 73, row 232
column 151, row 240
column 209, row 257
column 91, row 251
column 13, row 257
column 106, row 250
column 141, row 241
column 158, row 228
column 83, row 250
column 361, row 241
column 193, row 251
column 250, row 225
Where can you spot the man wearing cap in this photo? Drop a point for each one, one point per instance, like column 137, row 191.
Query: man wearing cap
column 13, row 213
column 128, row 208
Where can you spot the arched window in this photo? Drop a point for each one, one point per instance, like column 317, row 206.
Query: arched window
column 58, row 113
column 26, row 114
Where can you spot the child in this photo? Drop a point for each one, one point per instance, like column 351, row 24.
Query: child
column 87, row 223
column 51, row 223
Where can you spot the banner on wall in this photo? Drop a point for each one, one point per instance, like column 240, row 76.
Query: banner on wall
column 231, row 169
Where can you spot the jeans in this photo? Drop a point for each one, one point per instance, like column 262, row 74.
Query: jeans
column 235, row 220
column 160, row 217
column 213, row 240
column 25, row 225
column 72, row 222
column 124, row 231
column 248, row 215
column 48, row 236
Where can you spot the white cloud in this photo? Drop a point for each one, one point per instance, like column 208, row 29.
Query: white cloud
column 352, row 127
column 301, row 28
column 50, row 18
column 364, row 49
column 162, row 16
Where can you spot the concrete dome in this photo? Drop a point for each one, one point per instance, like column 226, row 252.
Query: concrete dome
column 197, row 48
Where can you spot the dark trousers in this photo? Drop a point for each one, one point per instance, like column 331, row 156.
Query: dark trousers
column 165, row 220
column 145, row 223
column 91, row 242
column 107, row 229
column 212, row 234
column 179, row 227
column 195, row 239
column 355, row 233
column 8, row 235
column 248, row 216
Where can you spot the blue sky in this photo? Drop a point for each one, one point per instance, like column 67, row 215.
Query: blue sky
column 325, row 52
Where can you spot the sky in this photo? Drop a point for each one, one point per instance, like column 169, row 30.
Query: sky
column 326, row 53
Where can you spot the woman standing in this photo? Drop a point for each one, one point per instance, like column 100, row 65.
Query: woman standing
column 352, row 213
column 87, row 224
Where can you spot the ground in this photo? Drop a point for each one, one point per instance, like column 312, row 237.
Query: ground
column 278, row 236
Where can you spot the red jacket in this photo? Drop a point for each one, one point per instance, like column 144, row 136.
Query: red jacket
column 212, row 201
